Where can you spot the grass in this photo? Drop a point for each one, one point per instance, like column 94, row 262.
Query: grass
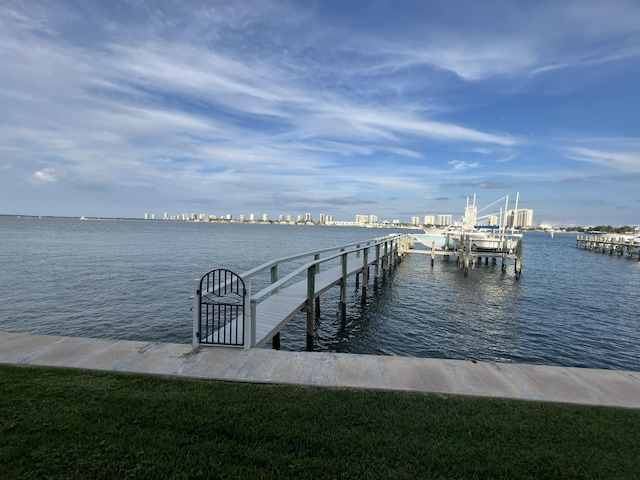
column 57, row 423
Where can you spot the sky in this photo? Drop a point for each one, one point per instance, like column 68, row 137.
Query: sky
column 396, row 109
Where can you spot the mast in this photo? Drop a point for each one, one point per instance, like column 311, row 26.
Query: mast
column 515, row 214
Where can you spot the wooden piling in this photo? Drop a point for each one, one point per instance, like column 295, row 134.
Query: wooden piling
column 365, row 274
column 275, row 343
column 519, row 259
column 433, row 253
column 311, row 288
column 376, row 272
column 343, row 289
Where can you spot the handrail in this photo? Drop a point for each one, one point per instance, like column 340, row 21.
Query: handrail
column 260, row 268
column 305, row 267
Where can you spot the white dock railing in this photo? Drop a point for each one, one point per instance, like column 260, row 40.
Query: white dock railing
column 308, row 276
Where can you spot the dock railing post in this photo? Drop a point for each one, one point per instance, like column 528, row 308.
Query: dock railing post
column 249, row 324
column 311, row 290
column 343, row 289
column 274, row 276
column 252, row 329
column 376, row 271
column 196, row 314
column 365, row 273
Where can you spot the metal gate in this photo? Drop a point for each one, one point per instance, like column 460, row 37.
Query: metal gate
column 221, row 308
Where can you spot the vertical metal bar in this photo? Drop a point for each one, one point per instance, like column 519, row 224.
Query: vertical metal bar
column 196, row 314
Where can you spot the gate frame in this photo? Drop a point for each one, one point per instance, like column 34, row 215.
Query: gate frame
column 246, row 313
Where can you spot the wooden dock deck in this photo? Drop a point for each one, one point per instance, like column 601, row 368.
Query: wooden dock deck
column 276, row 311
column 227, row 312
column 467, row 258
column 613, row 244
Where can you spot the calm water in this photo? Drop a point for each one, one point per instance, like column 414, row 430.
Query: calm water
column 126, row 279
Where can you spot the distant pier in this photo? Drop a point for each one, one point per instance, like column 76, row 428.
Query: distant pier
column 618, row 245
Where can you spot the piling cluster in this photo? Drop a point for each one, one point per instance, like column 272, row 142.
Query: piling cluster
column 613, row 245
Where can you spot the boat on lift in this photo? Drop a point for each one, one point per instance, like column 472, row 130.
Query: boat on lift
column 485, row 233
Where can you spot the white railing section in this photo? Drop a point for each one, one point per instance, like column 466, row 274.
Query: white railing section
column 386, row 251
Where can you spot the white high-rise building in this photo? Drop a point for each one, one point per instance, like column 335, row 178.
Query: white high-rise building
column 521, row 218
column 429, row 220
column 415, row 221
column 444, row 220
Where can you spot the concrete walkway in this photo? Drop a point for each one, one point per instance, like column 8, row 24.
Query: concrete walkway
column 454, row 377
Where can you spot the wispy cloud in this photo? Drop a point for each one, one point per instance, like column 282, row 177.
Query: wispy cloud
column 627, row 162
column 271, row 101
column 459, row 165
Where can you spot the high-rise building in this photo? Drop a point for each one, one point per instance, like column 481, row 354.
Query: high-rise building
column 415, row 221
column 444, row 220
column 521, row 218
column 265, row 217
column 308, row 217
column 429, row 220
column 362, row 218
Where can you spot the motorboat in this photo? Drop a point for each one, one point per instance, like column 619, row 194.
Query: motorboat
column 481, row 232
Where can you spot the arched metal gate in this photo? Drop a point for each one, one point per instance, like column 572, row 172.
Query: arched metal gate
column 221, row 306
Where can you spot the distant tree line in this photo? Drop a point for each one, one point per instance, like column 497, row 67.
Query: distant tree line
column 605, row 229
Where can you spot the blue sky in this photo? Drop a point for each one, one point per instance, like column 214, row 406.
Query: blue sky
column 113, row 108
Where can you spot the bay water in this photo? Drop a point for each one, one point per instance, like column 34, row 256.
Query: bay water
column 132, row 280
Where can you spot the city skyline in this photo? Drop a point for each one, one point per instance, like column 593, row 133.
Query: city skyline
column 397, row 108
column 521, row 218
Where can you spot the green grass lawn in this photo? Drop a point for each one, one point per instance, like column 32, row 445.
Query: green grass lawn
column 58, row 423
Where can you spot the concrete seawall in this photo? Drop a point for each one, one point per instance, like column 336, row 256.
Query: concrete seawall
column 448, row 377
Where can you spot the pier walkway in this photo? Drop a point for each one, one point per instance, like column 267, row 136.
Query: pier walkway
column 228, row 312
column 446, row 377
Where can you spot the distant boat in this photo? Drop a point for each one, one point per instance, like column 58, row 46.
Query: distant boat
column 83, row 218
column 481, row 237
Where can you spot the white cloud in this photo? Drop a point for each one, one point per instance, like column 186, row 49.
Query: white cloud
column 46, row 175
column 460, row 165
column 627, row 162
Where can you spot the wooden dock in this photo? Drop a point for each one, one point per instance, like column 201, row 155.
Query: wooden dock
column 467, row 258
column 618, row 245
column 226, row 312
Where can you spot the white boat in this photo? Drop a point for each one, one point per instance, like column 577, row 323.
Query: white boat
column 481, row 235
